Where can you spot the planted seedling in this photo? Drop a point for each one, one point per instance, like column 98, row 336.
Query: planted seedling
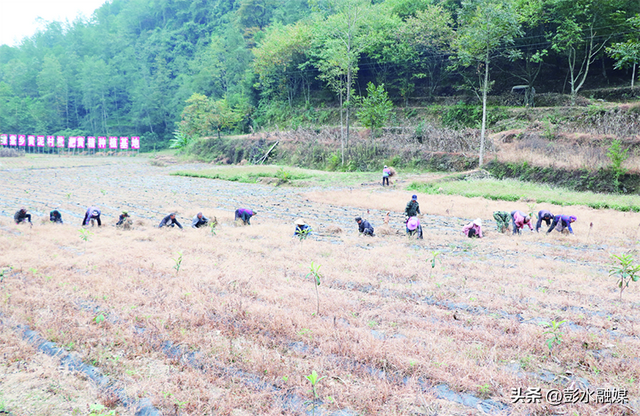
column 84, row 235
column 556, row 334
column 434, row 258
column 178, row 261
column 314, row 380
column 624, row 270
column 212, row 226
column 303, row 234
column 315, row 274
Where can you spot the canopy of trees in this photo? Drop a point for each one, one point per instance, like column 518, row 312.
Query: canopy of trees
column 134, row 65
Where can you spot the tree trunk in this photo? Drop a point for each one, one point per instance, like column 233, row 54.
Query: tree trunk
column 485, row 87
column 348, row 104
column 633, row 74
column 341, row 130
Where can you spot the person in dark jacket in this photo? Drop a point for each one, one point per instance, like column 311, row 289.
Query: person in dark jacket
column 560, row 222
column 502, row 220
column 92, row 214
column 364, row 227
column 22, row 216
column 122, row 218
column 302, row 229
column 545, row 216
column 170, row 221
column 245, row 215
column 413, row 208
column 55, row 217
column 199, row 221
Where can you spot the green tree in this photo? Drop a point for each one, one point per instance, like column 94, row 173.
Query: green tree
column 627, row 54
column 486, row 26
column 375, row 108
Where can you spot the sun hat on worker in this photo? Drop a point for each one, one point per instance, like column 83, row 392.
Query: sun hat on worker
column 478, row 222
column 385, row 166
column 413, row 223
column 414, row 197
column 300, row 221
column 573, row 218
column 358, row 219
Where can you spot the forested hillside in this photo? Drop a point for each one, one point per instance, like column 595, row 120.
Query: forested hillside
column 132, row 66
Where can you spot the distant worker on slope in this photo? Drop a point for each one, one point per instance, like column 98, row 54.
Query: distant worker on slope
column 302, row 229
column 91, row 215
column 170, row 221
column 413, row 208
column 122, row 218
column 545, row 216
column 55, row 217
column 473, row 229
column 562, row 222
column 519, row 219
column 364, row 227
column 22, row 216
column 414, row 227
column 386, row 172
column 245, row 215
column 199, row 221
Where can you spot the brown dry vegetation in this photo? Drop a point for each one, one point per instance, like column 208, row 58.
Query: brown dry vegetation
column 390, row 327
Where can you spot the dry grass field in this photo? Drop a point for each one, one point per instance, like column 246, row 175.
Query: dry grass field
column 203, row 323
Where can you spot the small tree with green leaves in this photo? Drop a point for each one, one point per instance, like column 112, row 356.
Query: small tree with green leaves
column 178, row 262
column 624, row 270
column 314, row 273
column 375, row 108
column 555, row 334
column 180, row 141
column 617, row 155
column 314, row 380
column 433, row 260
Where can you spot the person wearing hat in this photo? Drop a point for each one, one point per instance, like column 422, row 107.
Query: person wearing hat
column 122, row 218
column 22, row 216
column 386, row 172
column 545, row 216
column 364, row 227
column 91, row 215
column 199, row 221
column 413, row 208
column 414, row 227
column 519, row 219
column 55, row 217
column 502, row 220
column 473, row 229
column 245, row 215
column 562, row 222
column 302, row 228
column 170, row 221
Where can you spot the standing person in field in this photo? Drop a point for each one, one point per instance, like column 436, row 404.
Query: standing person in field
column 386, row 172
column 91, row 215
column 55, row 217
column 502, row 220
column 245, row 215
column 22, row 216
column 519, row 219
column 562, row 222
column 199, row 221
column 364, row 227
column 414, row 227
column 473, row 229
column 413, row 208
column 170, row 221
column 545, row 216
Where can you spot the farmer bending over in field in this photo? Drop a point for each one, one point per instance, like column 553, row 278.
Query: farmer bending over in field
column 502, row 220
column 364, row 227
column 562, row 222
column 170, row 221
column 414, row 227
column 245, row 215
column 386, row 172
column 545, row 216
column 55, row 217
column 473, row 229
column 302, row 229
column 92, row 214
column 519, row 219
column 199, row 221
column 122, row 218
column 413, row 208
column 22, row 216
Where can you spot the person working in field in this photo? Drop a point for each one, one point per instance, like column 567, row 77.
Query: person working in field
column 170, row 221
column 545, row 216
column 364, row 227
column 473, row 229
column 122, row 218
column 199, row 221
column 245, row 215
column 55, row 217
column 414, row 227
column 22, row 216
column 413, row 208
column 386, row 172
column 502, row 220
column 302, row 229
column 518, row 220
column 92, row 214
column 562, row 222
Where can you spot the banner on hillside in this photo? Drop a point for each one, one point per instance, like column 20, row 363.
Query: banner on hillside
column 91, row 142
column 102, row 142
column 51, row 141
column 71, row 144
column 135, row 143
column 124, row 143
column 60, row 140
column 80, row 142
column 13, row 140
column 113, row 142
column 33, row 143
column 40, row 141
column 22, row 140
column 4, row 140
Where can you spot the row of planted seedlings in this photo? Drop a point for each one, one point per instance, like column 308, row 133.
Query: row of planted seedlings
column 238, row 305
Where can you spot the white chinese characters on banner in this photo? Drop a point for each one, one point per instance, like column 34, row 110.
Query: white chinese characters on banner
column 4, row 140
column 102, row 142
column 13, row 140
column 40, row 141
column 124, row 143
column 72, row 142
column 80, row 142
column 22, row 140
column 60, row 140
column 31, row 141
column 91, row 142
column 51, row 141
column 113, row 142
column 135, row 142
